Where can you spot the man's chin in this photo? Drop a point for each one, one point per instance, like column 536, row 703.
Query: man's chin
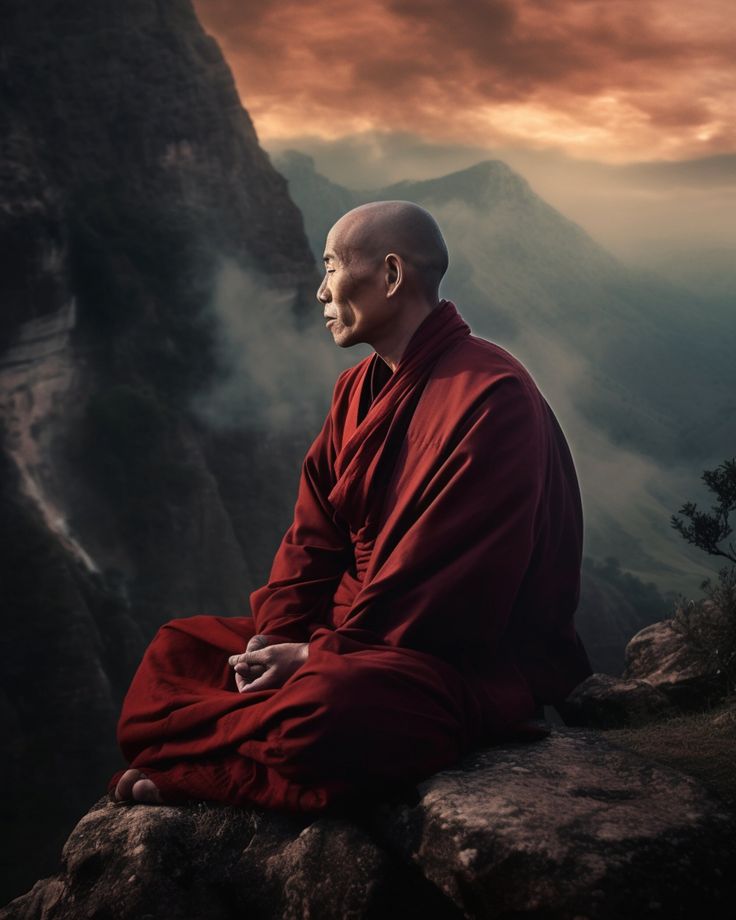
column 344, row 341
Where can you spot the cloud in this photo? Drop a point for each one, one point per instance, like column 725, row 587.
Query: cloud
column 613, row 79
column 273, row 376
column 640, row 211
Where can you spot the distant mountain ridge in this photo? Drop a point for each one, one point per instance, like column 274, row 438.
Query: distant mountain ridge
column 516, row 262
column 644, row 387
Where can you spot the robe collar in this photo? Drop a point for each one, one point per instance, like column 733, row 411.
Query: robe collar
column 359, row 461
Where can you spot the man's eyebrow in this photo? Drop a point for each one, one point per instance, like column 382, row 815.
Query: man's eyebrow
column 328, row 257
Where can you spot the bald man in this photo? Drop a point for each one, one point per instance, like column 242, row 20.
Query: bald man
column 421, row 602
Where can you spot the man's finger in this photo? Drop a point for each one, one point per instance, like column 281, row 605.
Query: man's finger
column 243, row 657
column 262, row 656
column 245, row 674
column 256, row 642
column 251, row 671
column 265, row 682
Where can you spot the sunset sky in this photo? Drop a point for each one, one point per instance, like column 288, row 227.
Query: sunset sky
column 610, row 80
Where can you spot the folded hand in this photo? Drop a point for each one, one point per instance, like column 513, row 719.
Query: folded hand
column 264, row 667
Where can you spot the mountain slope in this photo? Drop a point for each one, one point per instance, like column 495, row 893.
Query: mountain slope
column 129, row 175
column 650, row 371
column 642, row 385
column 522, row 270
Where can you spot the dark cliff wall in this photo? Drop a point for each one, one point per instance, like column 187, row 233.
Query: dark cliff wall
column 128, row 171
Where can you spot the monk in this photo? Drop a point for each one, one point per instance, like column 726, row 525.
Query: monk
column 420, row 604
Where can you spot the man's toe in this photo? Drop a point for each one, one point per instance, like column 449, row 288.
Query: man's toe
column 145, row 790
column 124, row 788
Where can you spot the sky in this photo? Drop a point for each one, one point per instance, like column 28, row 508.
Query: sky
column 615, row 81
column 620, row 113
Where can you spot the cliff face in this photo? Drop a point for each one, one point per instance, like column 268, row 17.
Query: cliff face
column 128, row 172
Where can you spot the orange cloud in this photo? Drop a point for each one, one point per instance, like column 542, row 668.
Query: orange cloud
column 610, row 79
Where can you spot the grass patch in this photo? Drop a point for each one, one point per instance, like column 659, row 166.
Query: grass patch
column 701, row 744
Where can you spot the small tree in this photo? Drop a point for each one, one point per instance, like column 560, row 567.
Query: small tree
column 710, row 623
column 706, row 530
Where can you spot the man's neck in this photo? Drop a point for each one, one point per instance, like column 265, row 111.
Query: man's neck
column 392, row 348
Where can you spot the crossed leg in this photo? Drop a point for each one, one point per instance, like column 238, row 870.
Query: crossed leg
column 352, row 718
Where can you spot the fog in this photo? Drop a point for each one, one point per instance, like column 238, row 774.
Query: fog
column 275, row 377
column 628, row 495
column 272, row 375
column 640, row 211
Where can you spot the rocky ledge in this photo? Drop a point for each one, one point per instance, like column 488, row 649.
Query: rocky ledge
column 570, row 826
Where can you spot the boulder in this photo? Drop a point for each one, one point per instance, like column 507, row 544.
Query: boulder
column 570, row 827
column 603, row 701
column 663, row 675
column 661, row 655
column 208, row 862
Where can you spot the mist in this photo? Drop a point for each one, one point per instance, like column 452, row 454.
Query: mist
column 628, row 496
column 277, row 378
column 272, row 375
column 642, row 212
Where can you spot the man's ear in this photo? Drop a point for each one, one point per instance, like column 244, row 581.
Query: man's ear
column 394, row 266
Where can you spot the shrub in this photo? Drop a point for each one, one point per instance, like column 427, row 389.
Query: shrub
column 709, row 625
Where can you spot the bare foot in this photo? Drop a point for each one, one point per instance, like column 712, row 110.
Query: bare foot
column 134, row 786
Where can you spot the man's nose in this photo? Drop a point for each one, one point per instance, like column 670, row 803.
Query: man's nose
column 323, row 293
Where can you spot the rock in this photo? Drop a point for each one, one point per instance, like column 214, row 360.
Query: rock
column 214, row 862
column 663, row 675
column 568, row 827
column 726, row 720
column 661, row 655
column 603, row 701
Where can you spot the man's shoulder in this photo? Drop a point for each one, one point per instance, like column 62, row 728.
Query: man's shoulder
column 475, row 357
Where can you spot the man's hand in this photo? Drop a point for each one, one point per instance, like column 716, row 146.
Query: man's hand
column 263, row 666
column 260, row 640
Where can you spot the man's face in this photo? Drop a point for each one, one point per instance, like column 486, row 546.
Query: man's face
column 353, row 295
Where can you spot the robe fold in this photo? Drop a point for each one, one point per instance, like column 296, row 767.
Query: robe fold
column 433, row 566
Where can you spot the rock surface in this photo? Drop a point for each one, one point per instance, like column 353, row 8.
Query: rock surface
column 661, row 655
column 611, row 702
column 569, row 827
column 663, row 675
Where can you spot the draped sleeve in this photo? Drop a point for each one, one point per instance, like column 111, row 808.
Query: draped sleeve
column 315, row 550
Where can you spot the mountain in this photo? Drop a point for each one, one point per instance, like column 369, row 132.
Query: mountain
column 132, row 188
column 641, row 379
column 522, row 269
column 164, row 365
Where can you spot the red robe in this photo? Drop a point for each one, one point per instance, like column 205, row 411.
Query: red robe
column 433, row 565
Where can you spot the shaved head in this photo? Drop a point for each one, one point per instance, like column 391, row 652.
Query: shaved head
column 371, row 231
column 383, row 265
